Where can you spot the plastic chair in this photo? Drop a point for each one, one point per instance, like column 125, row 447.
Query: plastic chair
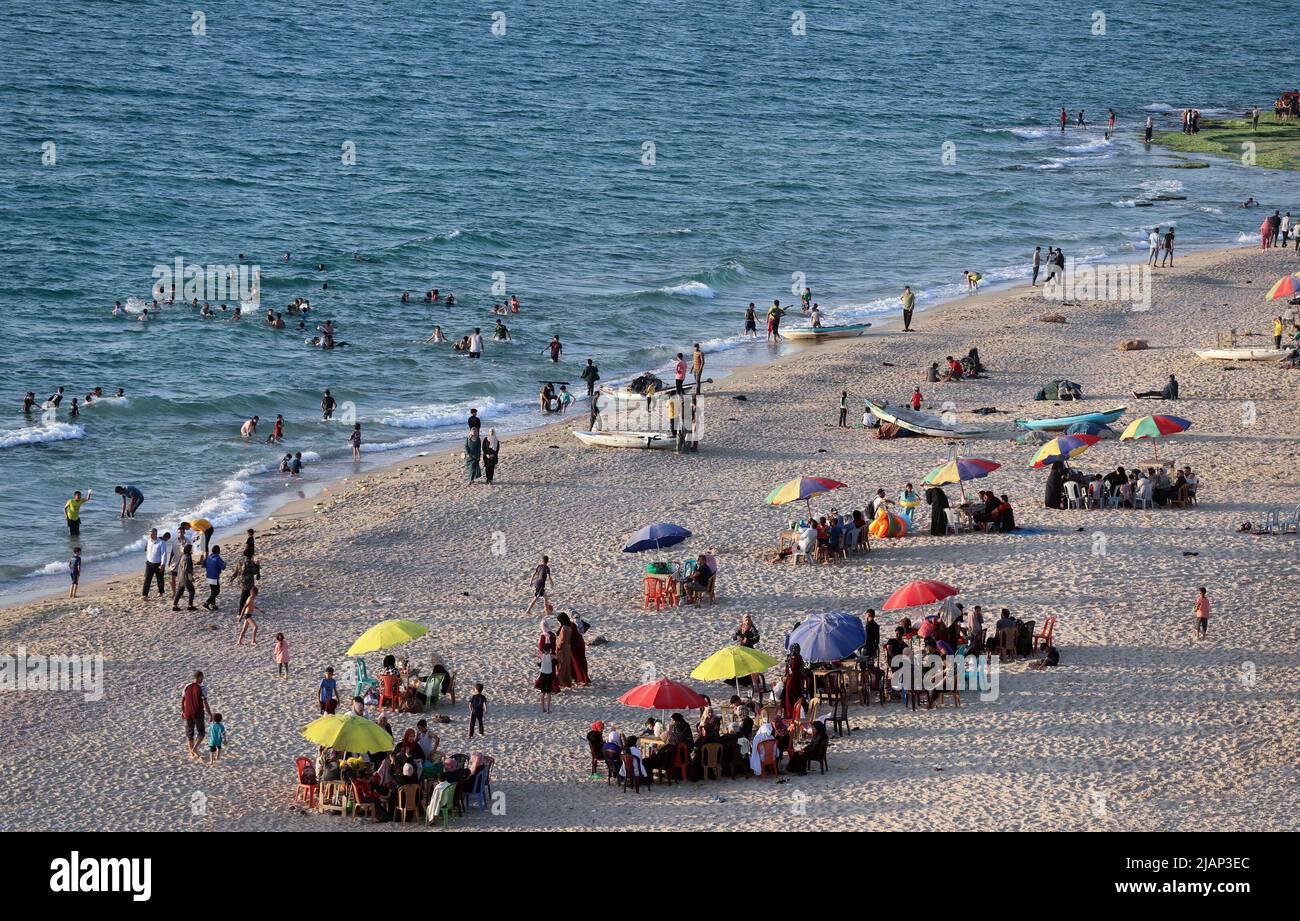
column 1049, row 627
column 308, row 793
column 363, row 678
column 1143, row 499
column 681, row 763
column 432, row 690
column 408, row 802
column 767, row 756
column 364, row 801
column 954, row 521
column 332, row 796
column 1007, row 642
column 478, row 789
column 654, row 594
column 1073, row 498
column 389, row 685
column 711, row 760
column 631, row 773
column 440, row 803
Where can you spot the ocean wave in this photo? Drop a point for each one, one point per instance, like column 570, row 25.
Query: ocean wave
column 1125, row 203
column 688, row 289
column 41, row 434
column 1162, row 186
column 438, row 415
column 1027, row 132
column 1089, row 146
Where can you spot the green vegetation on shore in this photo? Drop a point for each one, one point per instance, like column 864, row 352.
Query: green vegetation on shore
column 1277, row 143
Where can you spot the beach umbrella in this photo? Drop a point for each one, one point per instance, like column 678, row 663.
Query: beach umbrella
column 827, row 637
column 347, row 732
column 655, row 537
column 662, row 695
column 385, row 634
column 1284, row 287
column 1091, row 428
column 802, row 489
column 919, row 592
column 959, row 470
column 1154, row 427
column 731, row 663
column 1063, row 447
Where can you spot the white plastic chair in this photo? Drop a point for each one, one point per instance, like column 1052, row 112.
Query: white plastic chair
column 1143, row 499
column 954, row 521
column 1072, row 497
column 1273, row 522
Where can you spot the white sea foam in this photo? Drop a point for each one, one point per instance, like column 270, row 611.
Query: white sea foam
column 438, row 415
column 688, row 289
column 40, row 434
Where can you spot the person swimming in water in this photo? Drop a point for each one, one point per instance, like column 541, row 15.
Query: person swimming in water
column 436, row 335
column 406, row 297
column 500, row 333
column 451, row 300
column 514, row 304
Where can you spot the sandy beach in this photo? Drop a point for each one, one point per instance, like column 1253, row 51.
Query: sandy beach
column 1139, row 728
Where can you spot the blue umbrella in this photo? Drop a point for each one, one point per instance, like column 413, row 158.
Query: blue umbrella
column 656, row 537
column 827, row 637
column 1090, row 428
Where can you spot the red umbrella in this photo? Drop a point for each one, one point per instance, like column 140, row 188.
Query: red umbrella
column 919, row 592
column 662, row 695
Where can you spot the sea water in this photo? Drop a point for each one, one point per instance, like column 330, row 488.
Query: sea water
column 635, row 174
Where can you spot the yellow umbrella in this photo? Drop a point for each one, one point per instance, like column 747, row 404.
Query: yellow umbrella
column 347, row 732
column 385, row 634
column 731, row 663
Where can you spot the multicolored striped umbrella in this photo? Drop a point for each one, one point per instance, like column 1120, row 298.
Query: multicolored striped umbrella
column 1063, row 447
column 959, row 470
column 1154, row 427
column 1284, row 287
column 802, row 489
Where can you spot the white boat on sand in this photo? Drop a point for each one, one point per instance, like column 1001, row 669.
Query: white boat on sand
column 1244, row 354
column 825, row 332
column 922, row 423
column 626, row 439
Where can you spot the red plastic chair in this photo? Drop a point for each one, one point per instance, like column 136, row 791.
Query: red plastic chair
column 1045, row 635
column 308, row 793
column 632, row 777
column 389, row 685
column 680, row 764
column 767, row 757
column 654, row 593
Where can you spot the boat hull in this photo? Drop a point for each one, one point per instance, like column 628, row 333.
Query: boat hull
column 643, row 440
column 921, row 423
column 1105, row 417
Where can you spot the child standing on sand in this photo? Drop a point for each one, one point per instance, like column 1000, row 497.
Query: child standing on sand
column 1202, row 612
column 477, row 707
column 327, row 694
column 74, row 571
column 216, row 738
column 545, row 682
column 246, row 617
column 281, row 655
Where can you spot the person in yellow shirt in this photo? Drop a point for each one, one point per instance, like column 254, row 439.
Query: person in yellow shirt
column 672, row 418
column 72, row 511
column 1277, row 332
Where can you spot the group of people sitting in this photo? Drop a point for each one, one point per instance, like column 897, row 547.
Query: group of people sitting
column 992, row 512
column 415, row 759
column 403, row 680
column 956, row 369
column 1134, row 488
column 735, row 730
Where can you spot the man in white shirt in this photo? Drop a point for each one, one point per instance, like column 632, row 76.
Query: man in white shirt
column 1153, row 245
column 1285, row 227
column 156, row 550
column 475, row 344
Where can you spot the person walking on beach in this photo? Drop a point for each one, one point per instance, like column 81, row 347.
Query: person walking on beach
column 540, row 577
column 74, row 571
column 131, row 499
column 751, row 323
column 590, row 374
column 477, row 707
column 216, row 738
column 916, row 398
column 246, row 617
column 679, row 373
column 491, row 454
column 213, row 566
column 72, row 511
column 844, row 409
column 594, row 412
column 1150, row 127
column 327, row 404
column 155, row 556
column 1254, row 119
column 908, row 301
column 194, row 707
column 1154, row 241
column 474, row 421
column 545, row 682
column 250, row 573
column 183, row 577
column 697, row 366
column 1201, row 610
column 1168, row 251
column 473, row 454
column 355, row 440
column 1034, row 265
column 327, row 692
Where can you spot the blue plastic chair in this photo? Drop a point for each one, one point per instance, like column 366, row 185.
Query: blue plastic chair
column 478, row 790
